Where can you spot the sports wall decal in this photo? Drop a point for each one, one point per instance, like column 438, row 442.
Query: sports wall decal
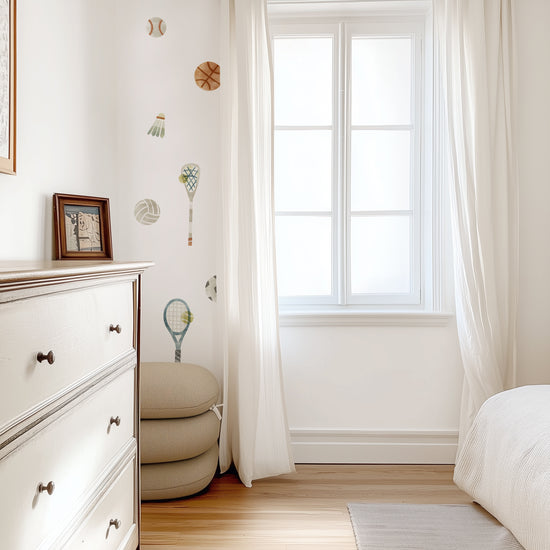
column 189, row 176
column 211, row 289
column 156, row 27
column 177, row 318
column 147, row 211
column 207, row 76
column 177, row 315
column 157, row 129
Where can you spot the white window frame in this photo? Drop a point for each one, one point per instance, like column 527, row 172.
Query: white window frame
column 319, row 30
column 412, row 29
column 384, row 19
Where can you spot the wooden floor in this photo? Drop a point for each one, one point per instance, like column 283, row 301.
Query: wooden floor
column 301, row 511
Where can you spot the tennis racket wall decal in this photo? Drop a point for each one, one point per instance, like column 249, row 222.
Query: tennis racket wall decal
column 177, row 318
column 189, row 176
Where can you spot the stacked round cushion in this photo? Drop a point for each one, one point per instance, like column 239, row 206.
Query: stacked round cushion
column 179, row 429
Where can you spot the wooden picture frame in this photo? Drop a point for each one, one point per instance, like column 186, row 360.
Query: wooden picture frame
column 7, row 85
column 82, row 228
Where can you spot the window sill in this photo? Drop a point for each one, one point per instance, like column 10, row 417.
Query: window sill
column 318, row 318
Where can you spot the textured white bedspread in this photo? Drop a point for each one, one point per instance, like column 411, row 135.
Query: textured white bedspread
column 504, row 464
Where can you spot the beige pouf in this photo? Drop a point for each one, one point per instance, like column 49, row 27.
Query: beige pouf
column 178, row 479
column 171, row 439
column 179, row 429
column 176, row 390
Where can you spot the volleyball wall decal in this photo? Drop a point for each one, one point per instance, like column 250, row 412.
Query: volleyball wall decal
column 147, row 211
column 207, row 76
column 156, row 27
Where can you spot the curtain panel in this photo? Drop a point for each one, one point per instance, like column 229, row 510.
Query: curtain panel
column 254, row 433
column 476, row 53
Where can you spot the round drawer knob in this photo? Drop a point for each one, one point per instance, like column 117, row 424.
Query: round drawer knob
column 115, row 420
column 114, row 523
column 117, row 329
column 47, row 488
column 49, row 357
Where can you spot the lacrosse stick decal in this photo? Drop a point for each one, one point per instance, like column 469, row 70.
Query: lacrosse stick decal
column 190, row 178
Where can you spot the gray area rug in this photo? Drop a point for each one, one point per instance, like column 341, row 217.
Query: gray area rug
column 428, row 527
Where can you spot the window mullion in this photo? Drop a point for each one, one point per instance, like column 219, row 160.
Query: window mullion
column 417, row 268
column 343, row 161
column 386, row 127
column 339, row 256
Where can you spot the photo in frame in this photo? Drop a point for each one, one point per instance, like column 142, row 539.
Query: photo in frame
column 82, row 228
column 7, row 85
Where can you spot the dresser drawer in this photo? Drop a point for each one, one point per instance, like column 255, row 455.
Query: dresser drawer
column 71, row 452
column 112, row 524
column 75, row 326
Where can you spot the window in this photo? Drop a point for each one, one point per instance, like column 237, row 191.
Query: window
column 352, row 162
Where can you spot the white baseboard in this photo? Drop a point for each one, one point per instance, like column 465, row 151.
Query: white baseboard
column 322, row 446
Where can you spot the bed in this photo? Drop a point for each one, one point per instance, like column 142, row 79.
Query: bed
column 504, row 464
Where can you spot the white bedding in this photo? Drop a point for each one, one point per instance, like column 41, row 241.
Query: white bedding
column 504, row 464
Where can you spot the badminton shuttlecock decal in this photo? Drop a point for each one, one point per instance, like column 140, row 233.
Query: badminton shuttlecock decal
column 157, row 130
column 190, row 178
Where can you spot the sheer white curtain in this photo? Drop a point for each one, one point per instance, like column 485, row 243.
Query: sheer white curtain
column 254, row 433
column 477, row 66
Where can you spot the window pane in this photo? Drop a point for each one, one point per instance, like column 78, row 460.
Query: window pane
column 303, row 81
column 304, row 255
column 380, row 255
column 381, row 81
column 380, row 170
column 303, row 170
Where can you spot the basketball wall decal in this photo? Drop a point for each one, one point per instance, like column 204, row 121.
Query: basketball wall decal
column 207, row 76
column 147, row 211
column 156, row 27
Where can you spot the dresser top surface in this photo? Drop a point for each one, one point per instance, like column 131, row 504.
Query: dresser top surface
column 16, row 271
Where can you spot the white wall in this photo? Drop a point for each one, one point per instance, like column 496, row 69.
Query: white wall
column 372, row 394
column 156, row 75
column 65, row 124
column 533, row 21
column 89, row 85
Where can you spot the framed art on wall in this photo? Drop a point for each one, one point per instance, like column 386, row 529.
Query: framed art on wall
column 7, row 86
column 82, row 228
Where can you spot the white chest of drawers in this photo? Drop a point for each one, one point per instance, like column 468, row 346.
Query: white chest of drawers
column 69, row 405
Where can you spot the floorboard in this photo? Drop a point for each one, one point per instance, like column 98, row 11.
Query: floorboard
column 305, row 510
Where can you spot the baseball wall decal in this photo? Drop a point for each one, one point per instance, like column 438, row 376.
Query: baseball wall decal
column 207, row 76
column 156, row 27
